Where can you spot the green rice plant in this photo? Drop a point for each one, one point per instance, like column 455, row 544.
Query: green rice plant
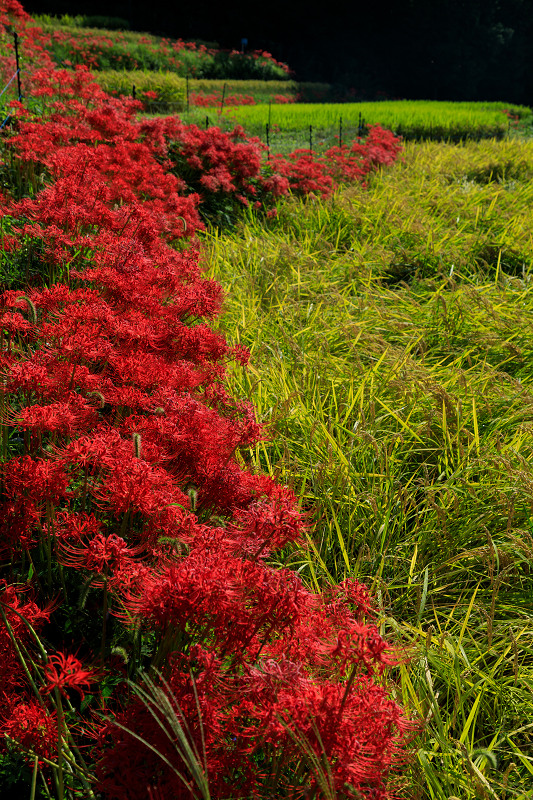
column 390, row 335
column 462, row 210
column 412, row 119
column 474, row 699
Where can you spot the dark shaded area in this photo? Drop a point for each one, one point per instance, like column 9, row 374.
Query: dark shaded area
column 427, row 49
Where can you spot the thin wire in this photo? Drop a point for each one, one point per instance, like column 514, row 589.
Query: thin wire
column 4, row 123
column 10, row 82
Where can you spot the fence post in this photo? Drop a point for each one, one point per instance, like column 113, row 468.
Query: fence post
column 206, row 122
column 311, row 138
column 268, row 137
column 223, row 98
column 134, row 92
column 16, row 38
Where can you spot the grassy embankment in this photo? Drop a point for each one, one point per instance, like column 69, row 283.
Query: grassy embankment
column 392, row 360
column 102, row 49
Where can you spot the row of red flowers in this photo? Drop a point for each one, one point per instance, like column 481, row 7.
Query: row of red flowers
column 136, row 541
column 218, row 99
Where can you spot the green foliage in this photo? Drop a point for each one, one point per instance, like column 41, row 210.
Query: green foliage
column 16, row 774
column 103, row 49
column 110, row 23
column 83, row 21
column 390, row 332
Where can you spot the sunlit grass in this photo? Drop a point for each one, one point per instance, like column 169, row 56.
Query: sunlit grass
column 392, row 361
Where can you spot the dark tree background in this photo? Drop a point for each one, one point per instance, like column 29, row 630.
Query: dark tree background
column 431, row 49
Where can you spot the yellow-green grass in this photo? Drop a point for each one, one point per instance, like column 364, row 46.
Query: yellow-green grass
column 412, row 119
column 392, row 362
column 170, row 89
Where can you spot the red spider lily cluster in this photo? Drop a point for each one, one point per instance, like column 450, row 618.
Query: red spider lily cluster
column 284, row 98
column 216, row 100
column 136, row 539
column 514, row 119
column 306, row 172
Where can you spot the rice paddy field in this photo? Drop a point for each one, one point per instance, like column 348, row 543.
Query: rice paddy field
column 392, row 361
column 289, row 125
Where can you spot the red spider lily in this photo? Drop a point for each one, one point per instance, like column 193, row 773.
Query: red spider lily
column 69, row 417
column 234, row 601
column 283, row 98
column 74, row 527
column 214, row 99
column 62, row 672
column 99, row 554
column 17, row 611
column 99, row 50
column 32, row 727
column 35, row 479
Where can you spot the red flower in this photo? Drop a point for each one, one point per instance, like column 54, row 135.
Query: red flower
column 66, row 671
column 33, row 727
column 99, row 554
